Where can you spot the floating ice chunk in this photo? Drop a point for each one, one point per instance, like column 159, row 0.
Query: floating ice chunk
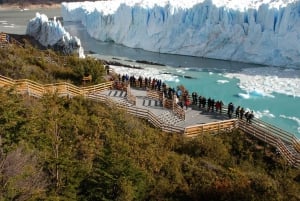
column 264, row 113
column 147, row 72
column 222, row 81
column 257, row 93
column 244, row 96
column 266, row 81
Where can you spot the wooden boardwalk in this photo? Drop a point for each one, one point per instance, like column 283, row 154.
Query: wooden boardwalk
column 162, row 113
column 192, row 116
column 165, row 115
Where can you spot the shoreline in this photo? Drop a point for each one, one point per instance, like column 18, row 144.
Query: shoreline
column 7, row 7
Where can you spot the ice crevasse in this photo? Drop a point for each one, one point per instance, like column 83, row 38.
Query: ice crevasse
column 263, row 32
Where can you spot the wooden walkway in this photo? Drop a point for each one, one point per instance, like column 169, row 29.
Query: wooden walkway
column 164, row 114
column 192, row 116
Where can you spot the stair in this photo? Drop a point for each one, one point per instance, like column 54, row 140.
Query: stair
column 291, row 148
column 151, row 103
column 169, row 118
column 117, row 93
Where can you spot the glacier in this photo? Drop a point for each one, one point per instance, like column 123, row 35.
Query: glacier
column 50, row 33
column 253, row 31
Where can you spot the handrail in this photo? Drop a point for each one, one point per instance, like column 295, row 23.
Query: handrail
column 296, row 144
column 276, row 137
column 155, row 94
column 178, row 111
column 213, row 127
column 280, row 141
column 169, row 104
column 5, row 81
column 63, row 88
column 130, row 97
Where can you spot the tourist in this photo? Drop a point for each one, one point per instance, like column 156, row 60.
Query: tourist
column 242, row 113
column 249, row 116
column 212, row 104
column 237, row 112
column 230, row 110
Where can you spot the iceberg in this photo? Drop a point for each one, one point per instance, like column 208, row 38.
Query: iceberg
column 50, row 33
column 263, row 32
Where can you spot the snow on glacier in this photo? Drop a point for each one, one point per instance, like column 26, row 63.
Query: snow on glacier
column 264, row 32
column 51, row 33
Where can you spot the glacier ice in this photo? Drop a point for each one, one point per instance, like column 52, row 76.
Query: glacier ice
column 51, row 33
column 263, row 32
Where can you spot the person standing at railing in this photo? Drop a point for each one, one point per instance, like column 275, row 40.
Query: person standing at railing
column 230, row 110
column 249, row 116
column 107, row 69
column 237, row 112
column 242, row 111
column 203, row 102
column 221, row 106
column 212, row 104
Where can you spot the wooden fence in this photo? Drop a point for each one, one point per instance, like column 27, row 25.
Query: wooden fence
column 24, row 86
column 167, row 103
column 4, row 40
column 286, row 143
column 130, row 97
column 213, row 128
column 154, row 94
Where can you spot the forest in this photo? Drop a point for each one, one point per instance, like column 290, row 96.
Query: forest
column 57, row 148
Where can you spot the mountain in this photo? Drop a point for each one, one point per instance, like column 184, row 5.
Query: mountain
column 263, row 32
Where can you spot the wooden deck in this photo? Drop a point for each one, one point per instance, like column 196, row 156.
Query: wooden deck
column 164, row 114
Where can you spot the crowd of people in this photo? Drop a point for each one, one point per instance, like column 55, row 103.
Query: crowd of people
column 184, row 99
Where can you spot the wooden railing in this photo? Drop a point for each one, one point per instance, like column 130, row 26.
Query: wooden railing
column 213, row 128
column 286, row 143
column 130, row 97
column 6, row 82
column 178, row 111
column 296, row 144
column 167, row 103
column 4, row 41
column 24, row 86
column 154, row 94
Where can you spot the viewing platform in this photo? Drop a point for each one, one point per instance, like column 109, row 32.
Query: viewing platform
column 193, row 115
column 164, row 113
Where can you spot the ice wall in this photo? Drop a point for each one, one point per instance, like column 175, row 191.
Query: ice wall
column 51, row 33
column 263, row 32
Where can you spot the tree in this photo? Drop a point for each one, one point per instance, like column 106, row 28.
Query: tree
column 21, row 176
column 12, row 119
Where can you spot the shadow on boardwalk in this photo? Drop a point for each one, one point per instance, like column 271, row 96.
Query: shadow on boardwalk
column 193, row 115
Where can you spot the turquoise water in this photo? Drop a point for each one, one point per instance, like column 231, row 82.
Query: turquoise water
column 281, row 110
column 235, row 82
column 273, row 93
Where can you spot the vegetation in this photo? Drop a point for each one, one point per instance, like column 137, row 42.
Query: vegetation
column 47, row 66
column 57, row 148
